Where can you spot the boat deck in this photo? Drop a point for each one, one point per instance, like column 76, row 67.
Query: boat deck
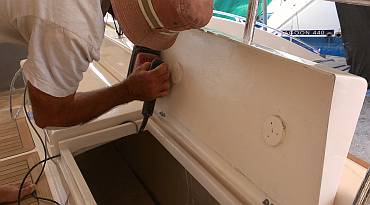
column 14, row 169
column 17, row 151
column 15, row 137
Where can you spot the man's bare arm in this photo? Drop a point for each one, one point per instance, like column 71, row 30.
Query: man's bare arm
column 50, row 111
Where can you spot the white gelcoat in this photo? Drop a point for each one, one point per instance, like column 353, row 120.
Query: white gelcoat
column 215, row 114
column 227, row 91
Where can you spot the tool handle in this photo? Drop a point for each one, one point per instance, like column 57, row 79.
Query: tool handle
column 148, row 107
column 138, row 52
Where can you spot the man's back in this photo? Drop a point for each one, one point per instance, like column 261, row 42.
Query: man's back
column 62, row 38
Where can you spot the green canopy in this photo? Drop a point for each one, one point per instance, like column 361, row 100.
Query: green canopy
column 236, row 7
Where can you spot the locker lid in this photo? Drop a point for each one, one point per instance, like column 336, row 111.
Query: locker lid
column 265, row 127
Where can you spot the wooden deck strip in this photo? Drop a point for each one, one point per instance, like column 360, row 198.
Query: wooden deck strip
column 14, row 165
column 17, row 99
column 7, row 134
column 12, row 128
column 10, row 135
column 10, row 150
column 9, row 142
column 13, row 171
column 15, row 179
column 6, row 125
column 15, row 137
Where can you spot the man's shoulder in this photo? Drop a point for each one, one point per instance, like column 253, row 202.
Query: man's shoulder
column 83, row 18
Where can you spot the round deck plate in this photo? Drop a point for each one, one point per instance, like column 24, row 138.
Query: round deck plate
column 273, row 130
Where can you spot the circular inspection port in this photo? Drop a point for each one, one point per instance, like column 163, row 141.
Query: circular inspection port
column 274, row 130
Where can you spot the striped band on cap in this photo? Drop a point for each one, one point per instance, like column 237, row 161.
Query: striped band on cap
column 152, row 18
column 150, row 15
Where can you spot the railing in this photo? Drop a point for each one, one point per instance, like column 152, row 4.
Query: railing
column 250, row 21
column 291, row 38
column 276, row 31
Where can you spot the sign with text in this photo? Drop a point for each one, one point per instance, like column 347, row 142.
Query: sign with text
column 309, row 32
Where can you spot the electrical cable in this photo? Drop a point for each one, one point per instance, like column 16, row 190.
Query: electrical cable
column 29, row 172
column 118, row 29
column 44, row 146
column 37, row 133
column 11, row 90
column 148, row 106
column 143, row 124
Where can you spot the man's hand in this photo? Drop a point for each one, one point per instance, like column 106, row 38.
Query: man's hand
column 9, row 193
column 144, row 84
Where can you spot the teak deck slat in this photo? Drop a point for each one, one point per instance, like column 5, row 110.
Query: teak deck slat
column 2, row 169
column 17, row 99
column 13, row 171
column 15, row 137
column 9, row 142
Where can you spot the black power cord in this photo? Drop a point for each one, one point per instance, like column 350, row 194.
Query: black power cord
column 41, row 162
column 28, row 173
column 37, row 133
column 119, row 30
column 148, row 106
column 143, row 124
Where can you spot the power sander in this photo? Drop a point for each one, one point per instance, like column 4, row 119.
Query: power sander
column 141, row 55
